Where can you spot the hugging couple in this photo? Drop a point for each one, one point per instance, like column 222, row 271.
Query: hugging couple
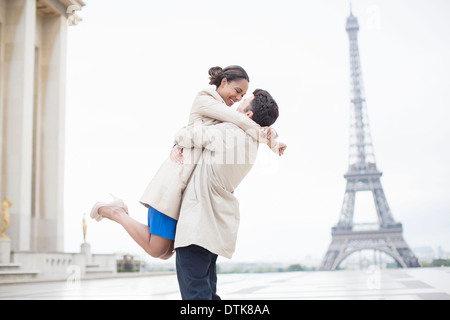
column 191, row 205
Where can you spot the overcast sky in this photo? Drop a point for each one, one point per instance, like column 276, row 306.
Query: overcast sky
column 134, row 68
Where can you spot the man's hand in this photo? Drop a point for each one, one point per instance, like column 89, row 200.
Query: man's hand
column 176, row 155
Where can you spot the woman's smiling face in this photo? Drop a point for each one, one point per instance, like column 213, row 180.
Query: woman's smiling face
column 233, row 91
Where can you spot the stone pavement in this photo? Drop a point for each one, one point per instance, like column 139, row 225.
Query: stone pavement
column 371, row 284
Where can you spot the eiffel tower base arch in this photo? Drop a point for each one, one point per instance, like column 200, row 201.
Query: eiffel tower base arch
column 390, row 241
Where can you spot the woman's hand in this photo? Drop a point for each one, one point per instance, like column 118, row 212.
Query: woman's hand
column 176, row 155
column 281, row 148
column 269, row 134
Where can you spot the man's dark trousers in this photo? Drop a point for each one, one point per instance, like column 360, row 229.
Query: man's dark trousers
column 196, row 272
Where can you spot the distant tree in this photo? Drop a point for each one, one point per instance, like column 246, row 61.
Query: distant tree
column 440, row 263
column 295, row 267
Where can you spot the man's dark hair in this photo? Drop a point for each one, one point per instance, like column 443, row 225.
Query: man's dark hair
column 264, row 107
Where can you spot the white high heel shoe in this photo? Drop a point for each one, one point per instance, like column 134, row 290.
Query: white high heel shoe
column 115, row 203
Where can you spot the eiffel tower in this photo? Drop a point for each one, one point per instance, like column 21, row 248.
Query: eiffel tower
column 347, row 237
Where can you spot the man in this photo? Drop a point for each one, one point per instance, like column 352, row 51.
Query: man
column 209, row 215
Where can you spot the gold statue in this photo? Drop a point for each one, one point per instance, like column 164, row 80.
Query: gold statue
column 84, row 228
column 5, row 217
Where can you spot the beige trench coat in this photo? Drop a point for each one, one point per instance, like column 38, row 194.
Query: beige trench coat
column 165, row 190
column 209, row 215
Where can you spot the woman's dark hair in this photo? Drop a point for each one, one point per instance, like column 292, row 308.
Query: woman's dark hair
column 264, row 107
column 216, row 74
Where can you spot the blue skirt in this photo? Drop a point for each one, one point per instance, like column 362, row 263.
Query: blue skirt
column 160, row 224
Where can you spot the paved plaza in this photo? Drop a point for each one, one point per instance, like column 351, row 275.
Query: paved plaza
column 371, row 284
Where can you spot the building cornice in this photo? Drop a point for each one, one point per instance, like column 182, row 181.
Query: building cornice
column 69, row 8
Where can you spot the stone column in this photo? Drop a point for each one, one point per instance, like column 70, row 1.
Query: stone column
column 48, row 211
column 19, row 48
column 2, row 94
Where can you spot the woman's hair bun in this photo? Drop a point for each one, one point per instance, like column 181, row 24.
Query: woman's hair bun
column 231, row 73
column 215, row 73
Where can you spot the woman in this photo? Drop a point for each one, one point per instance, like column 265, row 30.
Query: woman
column 163, row 195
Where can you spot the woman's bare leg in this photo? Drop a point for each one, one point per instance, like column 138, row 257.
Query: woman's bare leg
column 169, row 252
column 154, row 245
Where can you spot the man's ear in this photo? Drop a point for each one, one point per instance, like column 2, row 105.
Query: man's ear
column 249, row 114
